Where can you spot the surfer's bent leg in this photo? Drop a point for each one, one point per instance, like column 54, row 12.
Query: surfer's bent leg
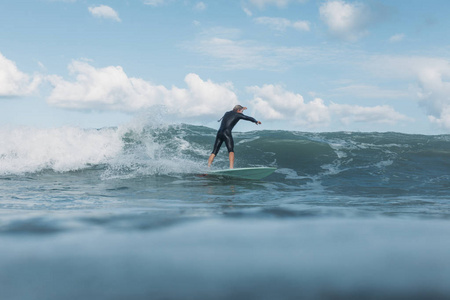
column 229, row 141
column 230, row 146
column 217, row 144
column 216, row 149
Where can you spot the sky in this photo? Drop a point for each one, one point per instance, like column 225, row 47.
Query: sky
column 303, row 65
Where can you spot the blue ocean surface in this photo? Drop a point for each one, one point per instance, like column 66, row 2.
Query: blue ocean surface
column 124, row 213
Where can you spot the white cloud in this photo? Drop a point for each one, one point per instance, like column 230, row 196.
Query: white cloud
column 156, row 2
column 433, row 82
column 396, row 38
column 200, row 6
column 375, row 114
column 443, row 120
column 110, row 88
column 104, row 11
column 301, row 25
column 347, row 21
column 231, row 52
column 434, row 94
column 41, row 65
column 281, row 24
column 371, row 92
column 279, row 3
column 13, row 82
column 247, row 11
column 275, row 103
column 234, row 54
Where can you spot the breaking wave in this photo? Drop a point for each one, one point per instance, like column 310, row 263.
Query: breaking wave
column 354, row 162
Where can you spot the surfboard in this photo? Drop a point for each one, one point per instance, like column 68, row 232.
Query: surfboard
column 244, row 173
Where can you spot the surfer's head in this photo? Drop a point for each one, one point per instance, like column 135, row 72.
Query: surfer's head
column 239, row 108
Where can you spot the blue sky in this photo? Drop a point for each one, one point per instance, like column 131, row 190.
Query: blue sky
column 296, row 64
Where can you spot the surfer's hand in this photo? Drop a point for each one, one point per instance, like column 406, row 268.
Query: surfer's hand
column 259, row 122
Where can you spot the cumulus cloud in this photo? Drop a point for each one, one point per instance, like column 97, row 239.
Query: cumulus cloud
column 434, row 93
column 432, row 77
column 281, row 24
column 13, row 82
column 104, row 11
column 110, row 88
column 275, row 103
column 347, row 21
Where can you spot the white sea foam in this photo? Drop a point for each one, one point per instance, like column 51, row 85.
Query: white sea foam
column 25, row 149
column 154, row 148
column 144, row 146
column 291, row 174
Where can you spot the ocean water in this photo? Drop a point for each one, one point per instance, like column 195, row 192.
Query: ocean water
column 122, row 213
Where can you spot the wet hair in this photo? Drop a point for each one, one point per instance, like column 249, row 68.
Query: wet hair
column 238, row 107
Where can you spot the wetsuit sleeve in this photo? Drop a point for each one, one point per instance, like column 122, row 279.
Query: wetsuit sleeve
column 247, row 118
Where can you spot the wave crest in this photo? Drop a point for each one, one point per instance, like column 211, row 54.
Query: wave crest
column 30, row 150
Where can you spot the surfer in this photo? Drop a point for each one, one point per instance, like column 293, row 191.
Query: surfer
column 229, row 120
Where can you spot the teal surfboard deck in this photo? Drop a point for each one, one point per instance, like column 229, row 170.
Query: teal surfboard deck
column 244, row 173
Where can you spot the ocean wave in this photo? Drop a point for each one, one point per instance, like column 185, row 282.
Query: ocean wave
column 143, row 148
column 29, row 150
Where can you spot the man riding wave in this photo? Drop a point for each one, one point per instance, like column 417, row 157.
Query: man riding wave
column 229, row 120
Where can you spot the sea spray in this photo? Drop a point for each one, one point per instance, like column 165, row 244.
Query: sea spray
column 147, row 145
column 31, row 150
column 155, row 147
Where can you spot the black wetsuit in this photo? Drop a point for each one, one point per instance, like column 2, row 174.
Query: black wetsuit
column 224, row 134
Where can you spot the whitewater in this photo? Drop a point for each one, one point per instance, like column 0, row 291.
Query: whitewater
column 122, row 213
